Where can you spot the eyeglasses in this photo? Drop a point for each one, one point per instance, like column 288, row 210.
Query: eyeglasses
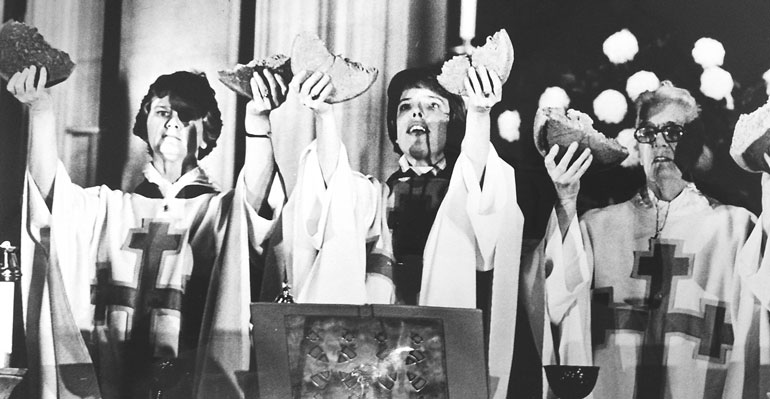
column 671, row 133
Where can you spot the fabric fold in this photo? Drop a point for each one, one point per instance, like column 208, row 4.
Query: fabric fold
column 570, row 272
column 134, row 273
column 225, row 347
column 453, row 254
column 328, row 249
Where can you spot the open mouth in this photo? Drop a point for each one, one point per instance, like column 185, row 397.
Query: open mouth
column 662, row 158
column 417, row 129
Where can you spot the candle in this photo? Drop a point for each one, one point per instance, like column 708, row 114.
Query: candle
column 467, row 20
column 8, row 276
column 6, row 323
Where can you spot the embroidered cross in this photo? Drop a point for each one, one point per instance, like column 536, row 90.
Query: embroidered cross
column 152, row 240
column 660, row 267
column 610, row 316
column 714, row 334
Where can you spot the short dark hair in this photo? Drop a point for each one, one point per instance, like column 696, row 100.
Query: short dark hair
column 194, row 91
column 426, row 77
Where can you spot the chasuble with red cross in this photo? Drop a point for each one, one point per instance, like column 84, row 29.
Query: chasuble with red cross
column 141, row 280
column 664, row 317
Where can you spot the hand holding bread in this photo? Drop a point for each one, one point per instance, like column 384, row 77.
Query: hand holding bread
column 269, row 91
column 496, row 55
column 566, row 174
column 483, row 89
column 22, row 46
column 555, row 126
column 23, row 86
column 309, row 53
column 313, row 90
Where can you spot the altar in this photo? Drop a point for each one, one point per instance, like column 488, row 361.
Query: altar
column 368, row 351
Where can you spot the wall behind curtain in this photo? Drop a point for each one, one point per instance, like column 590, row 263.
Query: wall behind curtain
column 161, row 37
column 389, row 35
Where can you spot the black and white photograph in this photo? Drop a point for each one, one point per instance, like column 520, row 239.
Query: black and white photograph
column 384, row 199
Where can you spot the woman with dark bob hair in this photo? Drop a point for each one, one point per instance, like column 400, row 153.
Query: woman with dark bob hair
column 191, row 94
column 149, row 291
column 426, row 78
column 446, row 228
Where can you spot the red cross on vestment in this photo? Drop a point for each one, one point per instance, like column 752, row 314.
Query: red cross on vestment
column 151, row 241
column 661, row 267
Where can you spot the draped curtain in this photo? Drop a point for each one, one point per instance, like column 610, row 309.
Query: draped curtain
column 389, row 35
column 162, row 37
column 76, row 27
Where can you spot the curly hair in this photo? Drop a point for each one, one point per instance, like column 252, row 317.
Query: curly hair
column 192, row 97
column 651, row 102
column 426, row 78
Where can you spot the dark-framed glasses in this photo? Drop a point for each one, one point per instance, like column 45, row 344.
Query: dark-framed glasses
column 672, row 132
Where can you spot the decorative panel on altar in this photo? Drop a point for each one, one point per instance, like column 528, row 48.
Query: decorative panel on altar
column 370, row 351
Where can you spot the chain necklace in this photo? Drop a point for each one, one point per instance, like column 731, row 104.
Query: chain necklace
column 658, row 225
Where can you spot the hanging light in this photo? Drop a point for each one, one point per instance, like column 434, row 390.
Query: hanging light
column 554, row 97
column 508, row 125
column 621, row 47
column 708, row 52
column 610, row 106
column 641, row 82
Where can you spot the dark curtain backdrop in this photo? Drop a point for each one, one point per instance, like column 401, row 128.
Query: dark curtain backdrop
column 556, row 41
column 13, row 148
column 559, row 43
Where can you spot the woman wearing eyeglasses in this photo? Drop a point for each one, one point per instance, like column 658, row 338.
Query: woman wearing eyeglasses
column 648, row 289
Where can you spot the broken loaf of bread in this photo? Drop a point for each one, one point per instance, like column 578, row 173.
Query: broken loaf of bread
column 554, row 126
column 22, row 46
column 349, row 79
column 751, row 140
column 238, row 78
column 496, row 55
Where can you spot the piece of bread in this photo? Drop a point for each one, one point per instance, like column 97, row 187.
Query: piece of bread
column 751, row 140
column 22, row 46
column 496, row 55
column 238, row 79
column 350, row 79
column 554, row 126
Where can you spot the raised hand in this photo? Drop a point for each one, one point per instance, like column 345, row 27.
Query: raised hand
column 313, row 89
column 269, row 93
column 22, row 86
column 566, row 180
column 566, row 177
column 484, row 89
column 43, row 151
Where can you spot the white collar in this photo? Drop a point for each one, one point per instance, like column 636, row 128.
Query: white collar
column 689, row 200
column 169, row 190
column 404, row 164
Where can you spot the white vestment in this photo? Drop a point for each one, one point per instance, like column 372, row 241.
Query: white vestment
column 664, row 318
column 112, row 281
column 477, row 228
